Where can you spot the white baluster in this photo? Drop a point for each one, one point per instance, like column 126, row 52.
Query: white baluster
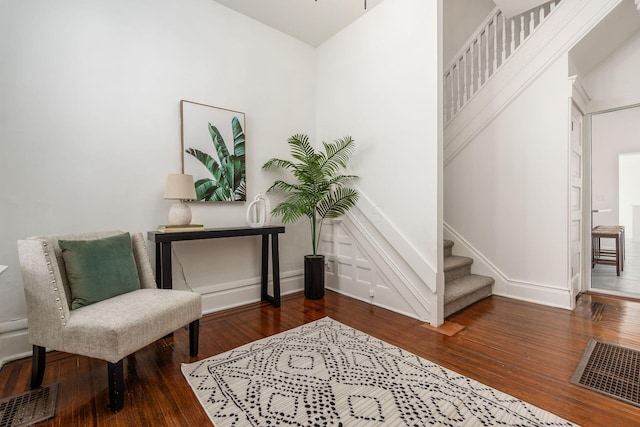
column 552, row 6
column 504, row 38
column 453, row 92
column 521, row 29
column 513, row 36
column 464, row 78
column 447, row 99
column 532, row 22
column 459, row 95
column 486, row 54
column 479, row 64
column 472, row 71
column 542, row 12
column 495, row 44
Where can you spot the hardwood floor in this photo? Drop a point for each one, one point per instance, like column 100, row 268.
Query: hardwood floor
column 523, row 349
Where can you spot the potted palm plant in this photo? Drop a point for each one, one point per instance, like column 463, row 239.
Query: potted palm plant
column 320, row 191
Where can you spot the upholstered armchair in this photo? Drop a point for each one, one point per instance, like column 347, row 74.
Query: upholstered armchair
column 109, row 329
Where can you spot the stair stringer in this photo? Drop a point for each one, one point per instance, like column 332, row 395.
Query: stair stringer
column 354, row 244
column 504, row 285
column 570, row 21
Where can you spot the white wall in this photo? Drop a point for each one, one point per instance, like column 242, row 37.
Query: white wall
column 614, row 82
column 613, row 133
column 381, row 87
column 629, row 190
column 461, row 19
column 506, row 192
column 90, row 126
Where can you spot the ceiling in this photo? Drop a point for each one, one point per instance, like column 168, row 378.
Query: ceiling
column 312, row 22
column 515, row 7
column 606, row 37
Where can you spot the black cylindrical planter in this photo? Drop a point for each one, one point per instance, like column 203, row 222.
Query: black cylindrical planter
column 314, row 276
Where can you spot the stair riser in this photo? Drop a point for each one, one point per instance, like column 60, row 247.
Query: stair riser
column 448, row 251
column 459, row 304
column 457, row 273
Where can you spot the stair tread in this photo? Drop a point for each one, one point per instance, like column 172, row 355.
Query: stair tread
column 452, row 262
column 448, row 244
column 465, row 285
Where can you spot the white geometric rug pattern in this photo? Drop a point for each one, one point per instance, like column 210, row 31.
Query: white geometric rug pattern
column 325, row 373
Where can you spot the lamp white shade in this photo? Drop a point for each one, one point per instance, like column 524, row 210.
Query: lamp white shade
column 180, row 187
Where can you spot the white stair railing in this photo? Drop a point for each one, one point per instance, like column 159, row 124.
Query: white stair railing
column 486, row 51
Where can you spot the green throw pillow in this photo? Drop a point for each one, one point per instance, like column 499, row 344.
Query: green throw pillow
column 99, row 269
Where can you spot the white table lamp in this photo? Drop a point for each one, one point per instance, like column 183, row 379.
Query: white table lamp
column 180, row 187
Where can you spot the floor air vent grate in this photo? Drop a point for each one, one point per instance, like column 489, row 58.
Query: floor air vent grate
column 611, row 370
column 29, row 408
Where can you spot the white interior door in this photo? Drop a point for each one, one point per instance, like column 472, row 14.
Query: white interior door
column 576, row 223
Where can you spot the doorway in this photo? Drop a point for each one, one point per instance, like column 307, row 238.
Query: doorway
column 615, row 190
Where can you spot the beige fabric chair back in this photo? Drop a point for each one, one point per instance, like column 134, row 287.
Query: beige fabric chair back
column 46, row 286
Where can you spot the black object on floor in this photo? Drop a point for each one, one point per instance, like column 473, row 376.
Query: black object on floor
column 29, row 408
column 610, row 370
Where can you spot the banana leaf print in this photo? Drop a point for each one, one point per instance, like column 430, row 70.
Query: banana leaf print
column 228, row 171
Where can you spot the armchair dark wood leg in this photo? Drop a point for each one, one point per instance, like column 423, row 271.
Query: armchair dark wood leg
column 194, row 334
column 38, row 362
column 116, row 385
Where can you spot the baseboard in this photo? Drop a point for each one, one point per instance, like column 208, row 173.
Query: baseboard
column 522, row 290
column 234, row 294
column 14, row 336
column 392, row 308
column 538, row 294
column 14, row 341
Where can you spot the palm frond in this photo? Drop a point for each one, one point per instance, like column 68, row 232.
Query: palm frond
column 284, row 186
column 337, row 155
column 320, row 191
column 204, row 158
column 301, row 149
column 337, row 203
column 279, row 163
column 238, row 137
column 203, row 188
column 240, row 193
column 290, row 212
column 218, row 143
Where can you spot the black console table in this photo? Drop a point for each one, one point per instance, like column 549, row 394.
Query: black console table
column 163, row 253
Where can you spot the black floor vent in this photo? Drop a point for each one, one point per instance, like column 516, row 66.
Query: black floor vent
column 29, row 408
column 611, row 370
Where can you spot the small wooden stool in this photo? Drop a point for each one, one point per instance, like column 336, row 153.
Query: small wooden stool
column 622, row 239
column 607, row 256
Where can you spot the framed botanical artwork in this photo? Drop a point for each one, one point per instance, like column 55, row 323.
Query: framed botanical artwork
column 213, row 151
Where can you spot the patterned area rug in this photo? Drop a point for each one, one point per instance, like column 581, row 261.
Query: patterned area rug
column 327, row 374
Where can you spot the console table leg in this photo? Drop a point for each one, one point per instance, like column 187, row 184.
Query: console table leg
column 275, row 257
column 265, row 268
column 165, row 273
column 159, row 265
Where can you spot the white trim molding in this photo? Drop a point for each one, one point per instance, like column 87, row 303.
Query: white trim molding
column 14, row 340
column 566, row 26
column 364, row 264
column 505, row 286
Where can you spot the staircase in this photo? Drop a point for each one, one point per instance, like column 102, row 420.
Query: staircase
column 486, row 51
column 461, row 288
